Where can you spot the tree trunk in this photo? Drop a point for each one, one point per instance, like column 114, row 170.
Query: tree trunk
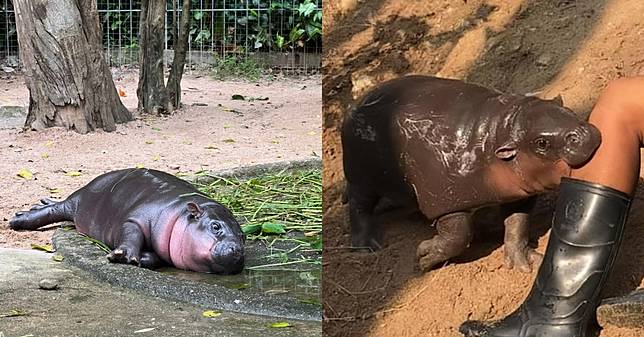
column 154, row 96
column 69, row 82
column 179, row 60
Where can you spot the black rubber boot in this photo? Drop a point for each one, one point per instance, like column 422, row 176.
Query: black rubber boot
column 586, row 233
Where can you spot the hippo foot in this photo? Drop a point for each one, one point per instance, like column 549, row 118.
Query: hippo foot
column 124, row 254
column 521, row 257
column 430, row 254
column 19, row 221
column 150, row 260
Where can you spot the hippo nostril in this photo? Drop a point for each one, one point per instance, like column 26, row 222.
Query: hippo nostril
column 572, row 138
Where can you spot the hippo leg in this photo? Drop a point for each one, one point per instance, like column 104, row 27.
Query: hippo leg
column 516, row 247
column 128, row 247
column 150, row 260
column 517, row 251
column 361, row 208
column 48, row 212
column 454, row 235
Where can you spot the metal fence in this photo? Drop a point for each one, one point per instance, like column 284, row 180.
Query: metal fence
column 283, row 34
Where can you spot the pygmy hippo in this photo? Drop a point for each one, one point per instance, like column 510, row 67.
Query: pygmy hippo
column 447, row 148
column 149, row 218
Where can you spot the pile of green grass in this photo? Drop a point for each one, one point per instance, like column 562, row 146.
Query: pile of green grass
column 285, row 205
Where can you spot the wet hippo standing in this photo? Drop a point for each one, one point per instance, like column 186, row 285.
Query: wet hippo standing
column 446, row 147
column 149, row 218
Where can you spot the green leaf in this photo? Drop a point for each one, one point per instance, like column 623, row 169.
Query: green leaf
column 198, row 15
column 279, row 41
column 311, row 300
column 45, row 248
column 273, row 228
column 280, row 325
column 251, row 229
column 58, row 258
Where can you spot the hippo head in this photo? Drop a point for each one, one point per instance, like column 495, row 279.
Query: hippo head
column 547, row 140
column 212, row 242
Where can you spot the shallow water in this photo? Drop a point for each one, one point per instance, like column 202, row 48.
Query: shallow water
column 301, row 285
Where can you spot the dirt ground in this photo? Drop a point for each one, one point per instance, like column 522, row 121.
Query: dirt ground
column 212, row 132
column 566, row 47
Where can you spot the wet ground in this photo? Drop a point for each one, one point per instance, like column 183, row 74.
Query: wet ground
column 294, row 295
column 82, row 306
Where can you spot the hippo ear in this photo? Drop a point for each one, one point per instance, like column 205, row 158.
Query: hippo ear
column 558, row 100
column 506, row 151
column 194, row 209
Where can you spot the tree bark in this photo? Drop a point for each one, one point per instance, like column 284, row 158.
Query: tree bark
column 179, row 59
column 154, row 96
column 69, row 82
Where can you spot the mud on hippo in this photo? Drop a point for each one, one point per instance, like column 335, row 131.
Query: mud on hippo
column 148, row 218
column 448, row 148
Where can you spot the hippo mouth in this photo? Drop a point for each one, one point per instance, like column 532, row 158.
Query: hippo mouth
column 581, row 144
column 228, row 257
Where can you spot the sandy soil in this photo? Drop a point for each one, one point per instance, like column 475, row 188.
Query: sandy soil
column 222, row 134
column 572, row 48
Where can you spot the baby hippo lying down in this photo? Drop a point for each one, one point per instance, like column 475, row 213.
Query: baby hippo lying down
column 447, row 148
column 149, row 218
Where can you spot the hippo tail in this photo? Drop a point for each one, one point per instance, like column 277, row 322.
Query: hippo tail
column 47, row 212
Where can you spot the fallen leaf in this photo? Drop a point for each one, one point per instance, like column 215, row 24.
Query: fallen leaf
column 55, row 190
column 73, row 173
column 58, row 258
column 273, row 228
column 280, row 325
column 49, row 143
column 46, row 248
column 238, row 97
column 211, row 147
column 275, row 141
column 156, row 158
column 251, row 229
column 311, row 300
column 122, row 92
column 144, row 330
column 14, row 313
column 312, row 133
column 25, row 174
column 229, row 140
column 239, row 286
column 149, row 142
column 211, row 313
column 139, row 166
column 45, row 155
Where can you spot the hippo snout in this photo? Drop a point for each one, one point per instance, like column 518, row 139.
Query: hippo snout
column 228, row 257
column 580, row 144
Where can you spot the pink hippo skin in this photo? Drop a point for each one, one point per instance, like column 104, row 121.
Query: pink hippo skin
column 149, row 218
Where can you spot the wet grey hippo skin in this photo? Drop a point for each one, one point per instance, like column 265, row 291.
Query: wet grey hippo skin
column 149, row 218
column 447, row 148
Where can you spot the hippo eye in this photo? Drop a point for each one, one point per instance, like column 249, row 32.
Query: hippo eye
column 215, row 225
column 542, row 144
